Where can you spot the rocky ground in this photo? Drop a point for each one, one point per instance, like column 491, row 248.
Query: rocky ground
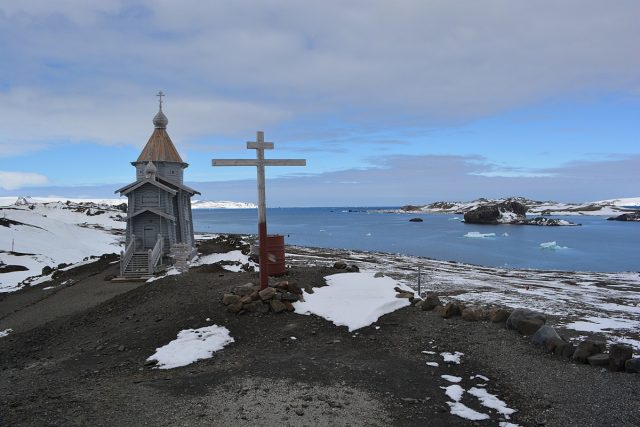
column 77, row 357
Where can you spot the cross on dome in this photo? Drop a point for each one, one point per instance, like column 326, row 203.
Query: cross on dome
column 160, row 121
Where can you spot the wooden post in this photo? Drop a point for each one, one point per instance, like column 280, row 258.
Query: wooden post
column 260, row 145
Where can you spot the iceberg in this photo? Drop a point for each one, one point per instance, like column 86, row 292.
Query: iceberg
column 551, row 246
column 477, row 235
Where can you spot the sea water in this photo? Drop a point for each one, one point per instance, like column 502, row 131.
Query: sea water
column 597, row 245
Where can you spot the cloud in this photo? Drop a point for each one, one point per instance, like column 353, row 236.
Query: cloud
column 401, row 180
column 87, row 71
column 15, row 180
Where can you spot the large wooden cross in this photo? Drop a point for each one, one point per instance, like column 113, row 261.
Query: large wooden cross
column 260, row 162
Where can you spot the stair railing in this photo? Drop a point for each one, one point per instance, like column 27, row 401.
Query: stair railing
column 127, row 254
column 155, row 254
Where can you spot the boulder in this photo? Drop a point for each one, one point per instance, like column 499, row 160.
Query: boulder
column 228, row 299
column 600, row 359
column 498, row 315
column 450, row 310
column 551, row 344
column 267, row 293
column 544, row 334
column 525, row 321
column 246, row 289
column 340, row 265
column 632, row 366
column 588, row 348
column 353, row 268
column 474, row 314
column 46, row 270
column 564, row 349
column 277, row 306
column 256, row 307
column 378, row 274
column 288, row 306
column 493, row 214
column 430, row 302
column 234, row 308
column 404, row 294
column 294, row 288
column 618, row 356
column 290, row 296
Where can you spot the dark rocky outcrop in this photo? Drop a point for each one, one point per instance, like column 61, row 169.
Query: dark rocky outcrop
column 631, row 216
column 493, row 214
column 416, row 220
column 429, row 303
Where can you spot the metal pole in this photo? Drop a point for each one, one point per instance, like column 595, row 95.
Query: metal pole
column 262, row 214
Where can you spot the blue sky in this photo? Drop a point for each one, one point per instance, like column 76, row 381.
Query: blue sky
column 389, row 102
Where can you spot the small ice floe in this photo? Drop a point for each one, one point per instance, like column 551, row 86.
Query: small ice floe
column 434, row 364
column 451, row 378
column 505, row 234
column 551, row 246
column 478, row 235
column 455, row 218
column 491, row 401
column 451, row 357
column 192, row 345
column 5, row 332
column 368, row 234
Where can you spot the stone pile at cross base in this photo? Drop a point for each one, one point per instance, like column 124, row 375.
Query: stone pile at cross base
column 248, row 298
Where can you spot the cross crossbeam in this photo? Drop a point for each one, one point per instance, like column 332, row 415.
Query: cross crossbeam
column 260, row 162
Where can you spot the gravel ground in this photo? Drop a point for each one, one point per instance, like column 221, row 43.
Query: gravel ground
column 86, row 365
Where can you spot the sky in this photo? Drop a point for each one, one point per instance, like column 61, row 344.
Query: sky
column 390, row 102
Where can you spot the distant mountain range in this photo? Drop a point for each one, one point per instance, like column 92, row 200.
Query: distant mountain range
column 602, row 207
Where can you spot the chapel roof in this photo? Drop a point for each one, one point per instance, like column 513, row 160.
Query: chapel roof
column 160, row 148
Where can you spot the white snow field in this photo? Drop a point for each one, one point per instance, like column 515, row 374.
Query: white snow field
column 354, row 300
column 192, row 345
column 195, row 204
column 38, row 235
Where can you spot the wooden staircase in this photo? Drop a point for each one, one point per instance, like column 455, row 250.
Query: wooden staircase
column 138, row 266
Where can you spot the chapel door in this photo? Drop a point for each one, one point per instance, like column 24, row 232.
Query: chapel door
column 150, row 236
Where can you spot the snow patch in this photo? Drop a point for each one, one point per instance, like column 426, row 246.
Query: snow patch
column 354, row 300
column 601, row 324
column 454, row 392
column 464, row 411
column 5, row 332
column 491, row 401
column 451, row 357
column 434, row 364
column 192, row 345
column 451, row 378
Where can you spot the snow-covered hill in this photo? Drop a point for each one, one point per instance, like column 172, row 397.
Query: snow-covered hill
column 602, row 207
column 35, row 235
column 195, row 204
